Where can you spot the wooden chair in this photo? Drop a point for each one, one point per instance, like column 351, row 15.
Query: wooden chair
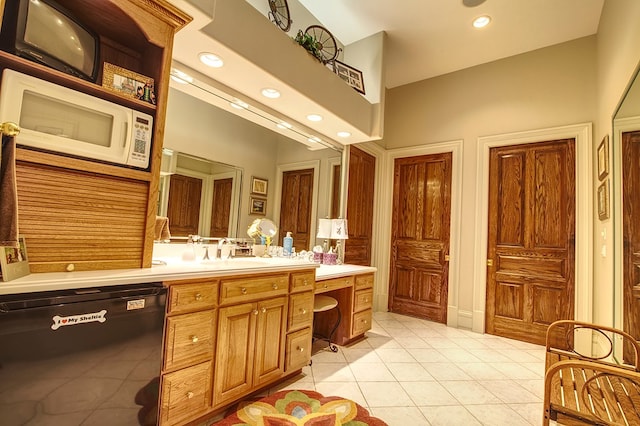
column 589, row 388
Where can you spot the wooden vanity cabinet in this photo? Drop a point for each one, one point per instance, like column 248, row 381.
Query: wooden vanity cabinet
column 77, row 214
column 190, row 336
column 299, row 321
column 355, row 301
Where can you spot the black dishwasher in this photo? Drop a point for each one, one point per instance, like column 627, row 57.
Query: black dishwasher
column 82, row 357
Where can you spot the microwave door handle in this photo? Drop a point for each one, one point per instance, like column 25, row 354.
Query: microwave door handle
column 126, row 134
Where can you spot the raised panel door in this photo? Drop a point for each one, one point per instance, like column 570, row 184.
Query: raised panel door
column 234, row 353
column 271, row 323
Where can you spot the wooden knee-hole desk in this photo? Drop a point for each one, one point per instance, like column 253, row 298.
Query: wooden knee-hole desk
column 354, row 293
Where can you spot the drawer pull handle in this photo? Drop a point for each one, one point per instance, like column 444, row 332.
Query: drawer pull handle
column 190, row 395
column 305, row 282
column 300, row 349
column 198, row 297
column 365, row 321
column 255, row 312
column 243, row 290
column 326, row 286
column 366, row 300
column 303, row 310
column 263, row 309
column 194, row 339
column 275, row 286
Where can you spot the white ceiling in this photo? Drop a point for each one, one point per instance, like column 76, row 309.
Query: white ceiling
column 427, row 38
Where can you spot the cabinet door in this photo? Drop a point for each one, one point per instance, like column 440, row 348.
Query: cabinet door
column 235, row 349
column 270, row 335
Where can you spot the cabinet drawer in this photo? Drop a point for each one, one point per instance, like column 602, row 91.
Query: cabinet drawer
column 186, row 394
column 361, row 322
column 190, row 339
column 364, row 281
column 192, row 296
column 298, row 349
column 245, row 289
column 300, row 310
column 333, row 284
column 302, row 281
column 363, row 300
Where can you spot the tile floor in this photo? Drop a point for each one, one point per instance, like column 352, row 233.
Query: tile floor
column 412, row 372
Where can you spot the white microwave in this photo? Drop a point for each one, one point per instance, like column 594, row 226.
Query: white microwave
column 59, row 119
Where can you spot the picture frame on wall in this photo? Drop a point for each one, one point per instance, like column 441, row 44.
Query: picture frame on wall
column 257, row 206
column 14, row 262
column 259, row 186
column 353, row 77
column 603, row 200
column 603, row 158
column 128, row 83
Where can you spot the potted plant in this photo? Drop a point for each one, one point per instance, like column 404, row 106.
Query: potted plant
column 310, row 43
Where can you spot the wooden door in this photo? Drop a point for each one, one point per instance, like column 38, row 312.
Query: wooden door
column 335, row 192
column 531, row 238
column 362, row 169
column 420, row 236
column 221, row 208
column 270, row 334
column 631, row 236
column 235, row 349
column 295, row 207
column 183, row 207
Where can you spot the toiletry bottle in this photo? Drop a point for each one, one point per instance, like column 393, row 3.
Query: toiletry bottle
column 287, row 245
column 189, row 253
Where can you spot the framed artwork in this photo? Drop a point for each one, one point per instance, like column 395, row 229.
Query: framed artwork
column 14, row 262
column 603, row 200
column 128, row 83
column 259, row 186
column 603, row 158
column 350, row 75
column 257, row 206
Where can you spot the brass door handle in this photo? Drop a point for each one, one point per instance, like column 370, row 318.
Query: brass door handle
column 9, row 128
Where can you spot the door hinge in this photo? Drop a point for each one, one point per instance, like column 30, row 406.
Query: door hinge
column 489, row 262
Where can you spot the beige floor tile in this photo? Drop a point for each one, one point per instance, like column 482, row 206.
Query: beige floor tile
column 470, row 392
column 400, row 416
column 510, row 391
column 445, row 371
column 428, row 393
column 395, row 355
column 383, row 394
column 370, row 372
column 497, row 415
column 361, row 355
column 409, row 372
column 332, row 372
column 452, row 415
column 349, row 390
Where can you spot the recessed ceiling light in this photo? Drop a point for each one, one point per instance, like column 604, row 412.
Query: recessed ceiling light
column 344, row 134
column 180, row 77
column 472, row 3
column 314, row 117
column 270, row 93
column 481, row 21
column 238, row 104
column 284, row 125
column 313, row 139
column 211, row 60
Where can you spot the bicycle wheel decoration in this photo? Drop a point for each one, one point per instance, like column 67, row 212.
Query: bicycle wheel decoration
column 279, row 14
column 325, row 44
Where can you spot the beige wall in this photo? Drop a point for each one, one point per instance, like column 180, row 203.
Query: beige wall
column 618, row 49
column 551, row 87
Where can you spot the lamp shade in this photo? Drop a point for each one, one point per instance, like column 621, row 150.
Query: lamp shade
column 339, row 229
column 324, row 228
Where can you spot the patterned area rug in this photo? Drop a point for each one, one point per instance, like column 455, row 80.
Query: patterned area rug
column 300, row 408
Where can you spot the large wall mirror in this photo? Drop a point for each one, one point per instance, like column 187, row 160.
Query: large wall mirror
column 213, row 159
column 625, row 184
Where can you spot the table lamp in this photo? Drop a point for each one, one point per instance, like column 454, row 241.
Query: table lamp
column 339, row 233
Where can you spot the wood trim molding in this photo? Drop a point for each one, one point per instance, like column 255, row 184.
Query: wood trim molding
column 584, row 214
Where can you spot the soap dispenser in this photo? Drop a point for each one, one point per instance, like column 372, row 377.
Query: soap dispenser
column 287, row 245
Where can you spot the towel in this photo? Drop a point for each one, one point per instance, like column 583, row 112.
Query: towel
column 162, row 229
column 8, row 194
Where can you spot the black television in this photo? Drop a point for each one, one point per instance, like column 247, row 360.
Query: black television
column 43, row 31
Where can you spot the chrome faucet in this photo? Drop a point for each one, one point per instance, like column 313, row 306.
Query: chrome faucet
column 225, row 247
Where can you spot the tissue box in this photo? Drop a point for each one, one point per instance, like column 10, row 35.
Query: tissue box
column 329, row 258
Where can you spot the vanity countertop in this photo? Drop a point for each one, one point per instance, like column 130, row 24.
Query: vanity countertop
column 172, row 270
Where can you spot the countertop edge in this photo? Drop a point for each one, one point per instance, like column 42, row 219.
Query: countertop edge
column 51, row 281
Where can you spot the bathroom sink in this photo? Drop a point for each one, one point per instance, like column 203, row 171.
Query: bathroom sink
column 234, row 263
